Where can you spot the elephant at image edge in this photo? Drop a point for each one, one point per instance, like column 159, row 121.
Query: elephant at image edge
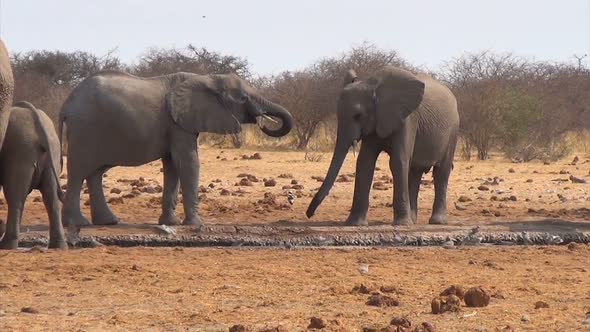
column 411, row 117
column 30, row 159
column 6, row 90
column 117, row 119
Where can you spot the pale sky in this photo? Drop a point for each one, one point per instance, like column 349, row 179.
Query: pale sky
column 287, row 35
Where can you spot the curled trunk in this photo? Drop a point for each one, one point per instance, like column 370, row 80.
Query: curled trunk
column 275, row 111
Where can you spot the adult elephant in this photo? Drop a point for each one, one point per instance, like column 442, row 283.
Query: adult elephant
column 117, row 119
column 6, row 90
column 411, row 117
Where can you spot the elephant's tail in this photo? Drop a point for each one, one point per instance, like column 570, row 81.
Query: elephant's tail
column 51, row 143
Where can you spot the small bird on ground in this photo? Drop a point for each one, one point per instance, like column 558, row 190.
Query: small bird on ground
column 290, row 198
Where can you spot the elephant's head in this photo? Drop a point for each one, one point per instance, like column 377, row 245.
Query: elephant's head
column 221, row 103
column 378, row 106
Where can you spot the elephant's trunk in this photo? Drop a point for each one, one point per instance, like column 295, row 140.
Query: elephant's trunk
column 271, row 109
column 340, row 152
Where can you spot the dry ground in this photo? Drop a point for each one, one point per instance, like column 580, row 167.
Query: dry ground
column 212, row 289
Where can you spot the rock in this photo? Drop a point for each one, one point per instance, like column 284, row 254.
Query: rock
column 318, row 178
column 575, row 179
column 424, row 327
column 116, row 200
column 343, row 178
column 576, row 159
column 388, row 289
column 401, row 322
column 454, row 290
column 149, row 190
column 256, row 156
column 563, row 171
column 224, row 192
column 316, row 323
column 541, row 305
column 459, row 207
column 270, row 183
column 379, row 300
column 286, row 176
column 245, row 183
column 440, row 305
column 294, row 181
column 511, row 170
column 211, row 185
column 297, row 187
column 29, row 310
column 380, row 186
column 361, row 289
column 483, row 188
column 203, row 189
column 525, row 318
column 239, row 328
column 529, row 181
column 250, row 177
column 513, row 198
column 115, row 191
column 464, row 199
column 476, row 297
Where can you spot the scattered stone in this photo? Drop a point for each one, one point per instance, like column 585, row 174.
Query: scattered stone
column 424, row 327
column 225, row 192
column 29, row 310
column 250, row 177
column 525, row 318
column 401, row 322
column 464, row 199
column 361, row 289
column 203, row 189
column 513, row 198
column 511, row 170
column 270, row 183
column 256, row 156
column 116, row 200
column 563, row 171
column 245, row 183
column 318, row 178
column 297, row 187
column 454, row 290
column 379, row 300
column 294, row 181
column 440, row 305
column 541, row 305
column 575, row 179
column 380, row 186
column 239, row 328
column 389, row 289
column 115, row 191
column 476, row 297
column 575, row 161
column 316, row 323
column 499, row 295
column 459, row 207
column 483, row 188
column 529, row 181
column 343, row 178
column 286, row 176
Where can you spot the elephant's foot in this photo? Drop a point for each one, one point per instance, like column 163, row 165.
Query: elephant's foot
column 105, row 219
column 169, row 220
column 356, row 221
column 194, row 221
column 75, row 220
column 58, row 244
column 403, row 221
column 438, row 219
column 6, row 244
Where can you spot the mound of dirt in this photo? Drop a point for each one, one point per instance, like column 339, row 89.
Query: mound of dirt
column 378, row 300
column 476, row 297
column 454, row 290
column 442, row 304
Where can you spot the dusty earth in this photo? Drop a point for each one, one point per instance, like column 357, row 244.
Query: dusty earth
column 112, row 288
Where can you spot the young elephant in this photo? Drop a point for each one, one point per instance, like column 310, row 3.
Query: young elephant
column 411, row 117
column 31, row 159
column 117, row 119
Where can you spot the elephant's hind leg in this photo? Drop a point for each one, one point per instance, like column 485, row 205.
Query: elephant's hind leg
column 170, row 193
column 414, row 179
column 71, row 214
column 99, row 210
column 441, row 174
column 49, row 188
column 16, row 190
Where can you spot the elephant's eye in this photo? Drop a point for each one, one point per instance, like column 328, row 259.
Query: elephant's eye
column 244, row 98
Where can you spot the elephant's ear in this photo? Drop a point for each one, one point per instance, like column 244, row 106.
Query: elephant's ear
column 396, row 96
column 349, row 77
column 199, row 105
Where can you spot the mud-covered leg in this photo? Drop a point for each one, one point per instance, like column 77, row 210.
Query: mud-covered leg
column 99, row 210
column 414, row 179
column 71, row 213
column 170, row 193
column 186, row 162
column 441, row 179
column 16, row 189
column 365, row 169
column 49, row 188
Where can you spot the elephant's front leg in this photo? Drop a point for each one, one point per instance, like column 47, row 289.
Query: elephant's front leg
column 170, row 193
column 402, row 212
column 49, row 188
column 365, row 168
column 186, row 161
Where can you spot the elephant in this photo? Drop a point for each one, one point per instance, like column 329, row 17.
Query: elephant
column 30, row 158
column 414, row 119
column 6, row 90
column 118, row 119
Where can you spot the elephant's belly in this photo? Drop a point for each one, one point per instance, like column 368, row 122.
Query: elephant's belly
column 429, row 151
